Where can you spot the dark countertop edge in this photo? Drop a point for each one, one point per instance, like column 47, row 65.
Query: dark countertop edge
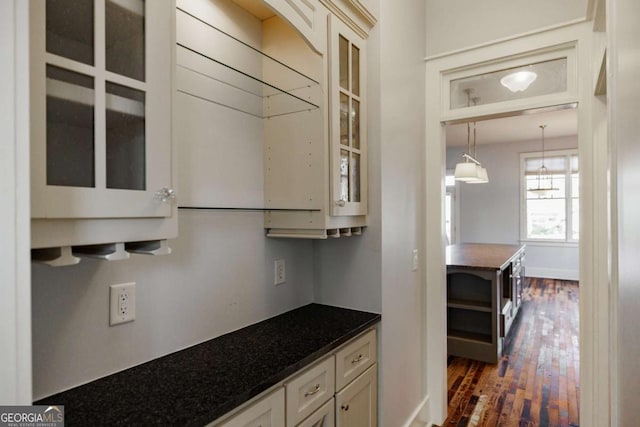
column 287, row 372
column 521, row 247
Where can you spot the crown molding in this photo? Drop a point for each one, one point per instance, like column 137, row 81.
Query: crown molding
column 354, row 14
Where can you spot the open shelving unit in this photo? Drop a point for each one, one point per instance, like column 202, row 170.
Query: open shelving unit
column 219, row 68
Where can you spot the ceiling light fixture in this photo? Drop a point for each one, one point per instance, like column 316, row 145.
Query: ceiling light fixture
column 471, row 170
column 544, row 186
column 518, row 81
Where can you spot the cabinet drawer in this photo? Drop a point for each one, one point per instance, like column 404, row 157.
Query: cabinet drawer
column 309, row 390
column 267, row 412
column 323, row 417
column 355, row 358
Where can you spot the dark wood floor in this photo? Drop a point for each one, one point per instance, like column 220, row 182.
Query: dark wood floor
column 536, row 381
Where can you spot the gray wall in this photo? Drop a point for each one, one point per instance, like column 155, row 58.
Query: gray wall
column 458, row 24
column 490, row 213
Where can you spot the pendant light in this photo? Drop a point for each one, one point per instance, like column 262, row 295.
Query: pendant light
column 518, row 81
column 471, row 170
column 544, row 186
column 482, row 176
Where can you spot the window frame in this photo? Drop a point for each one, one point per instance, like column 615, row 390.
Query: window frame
column 568, row 240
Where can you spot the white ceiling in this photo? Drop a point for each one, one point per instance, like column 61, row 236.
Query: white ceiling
column 515, row 129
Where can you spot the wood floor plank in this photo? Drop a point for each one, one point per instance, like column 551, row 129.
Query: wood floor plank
column 536, row 382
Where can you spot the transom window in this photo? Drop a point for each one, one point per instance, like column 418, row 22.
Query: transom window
column 551, row 215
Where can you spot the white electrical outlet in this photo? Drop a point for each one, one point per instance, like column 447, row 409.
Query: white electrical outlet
column 279, row 272
column 122, row 305
column 414, row 260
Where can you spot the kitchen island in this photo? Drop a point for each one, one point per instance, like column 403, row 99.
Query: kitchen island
column 484, row 294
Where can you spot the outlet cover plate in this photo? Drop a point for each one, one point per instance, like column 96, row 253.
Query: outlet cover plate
column 279, row 272
column 122, row 303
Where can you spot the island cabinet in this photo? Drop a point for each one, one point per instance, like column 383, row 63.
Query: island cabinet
column 100, row 127
column 484, row 295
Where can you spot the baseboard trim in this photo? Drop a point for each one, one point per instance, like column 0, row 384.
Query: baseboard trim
column 420, row 416
column 553, row 273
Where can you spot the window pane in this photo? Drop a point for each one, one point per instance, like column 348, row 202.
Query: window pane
column 344, row 63
column 355, row 124
column 447, row 216
column 344, row 175
column 344, row 119
column 70, row 128
column 355, row 177
column 70, row 29
column 551, row 77
column 575, row 218
column 450, row 180
column 546, row 219
column 125, row 38
column 355, row 70
column 125, row 137
column 575, row 185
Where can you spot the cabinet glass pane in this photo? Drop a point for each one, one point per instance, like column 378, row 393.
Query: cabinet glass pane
column 125, row 137
column 355, row 124
column 125, row 37
column 70, row 29
column 355, row 70
column 355, row 177
column 70, row 128
column 344, row 175
column 506, row 85
column 344, row 63
column 344, row 119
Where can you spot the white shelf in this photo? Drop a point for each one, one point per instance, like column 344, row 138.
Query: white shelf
column 216, row 67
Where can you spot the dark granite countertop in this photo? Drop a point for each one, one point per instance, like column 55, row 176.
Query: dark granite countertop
column 199, row 384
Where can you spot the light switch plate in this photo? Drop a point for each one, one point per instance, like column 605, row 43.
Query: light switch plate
column 122, row 303
column 414, row 260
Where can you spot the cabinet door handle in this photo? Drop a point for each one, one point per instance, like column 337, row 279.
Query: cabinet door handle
column 341, row 203
column 357, row 359
column 316, row 389
column 165, row 194
column 345, row 407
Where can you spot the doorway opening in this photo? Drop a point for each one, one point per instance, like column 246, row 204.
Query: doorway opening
column 527, row 308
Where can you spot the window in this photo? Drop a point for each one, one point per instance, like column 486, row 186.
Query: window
column 449, row 208
column 552, row 217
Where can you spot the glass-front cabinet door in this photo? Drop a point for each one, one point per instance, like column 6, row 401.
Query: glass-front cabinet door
column 348, row 138
column 100, row 108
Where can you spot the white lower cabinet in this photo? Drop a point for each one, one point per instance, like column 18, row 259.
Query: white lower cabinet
column 357, row 403
column 267, row 412
column 339, row 391
column 323, row 417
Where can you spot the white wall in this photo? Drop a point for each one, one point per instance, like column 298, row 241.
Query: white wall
column 458, row 24
column 374, row 271
column 15, row 299
column 490, row 213
column 624, row 95
column 402, row 194
column 219, row 278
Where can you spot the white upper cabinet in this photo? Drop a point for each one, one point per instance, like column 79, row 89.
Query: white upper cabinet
column 101, row 108
column 348, row 120
column 101, row 127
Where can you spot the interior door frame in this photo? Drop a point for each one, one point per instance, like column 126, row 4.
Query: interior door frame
column 594, row 318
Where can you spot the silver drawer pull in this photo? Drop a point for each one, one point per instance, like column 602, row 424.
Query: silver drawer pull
column 345, row 407
column 316, row 389
column 357, row 359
